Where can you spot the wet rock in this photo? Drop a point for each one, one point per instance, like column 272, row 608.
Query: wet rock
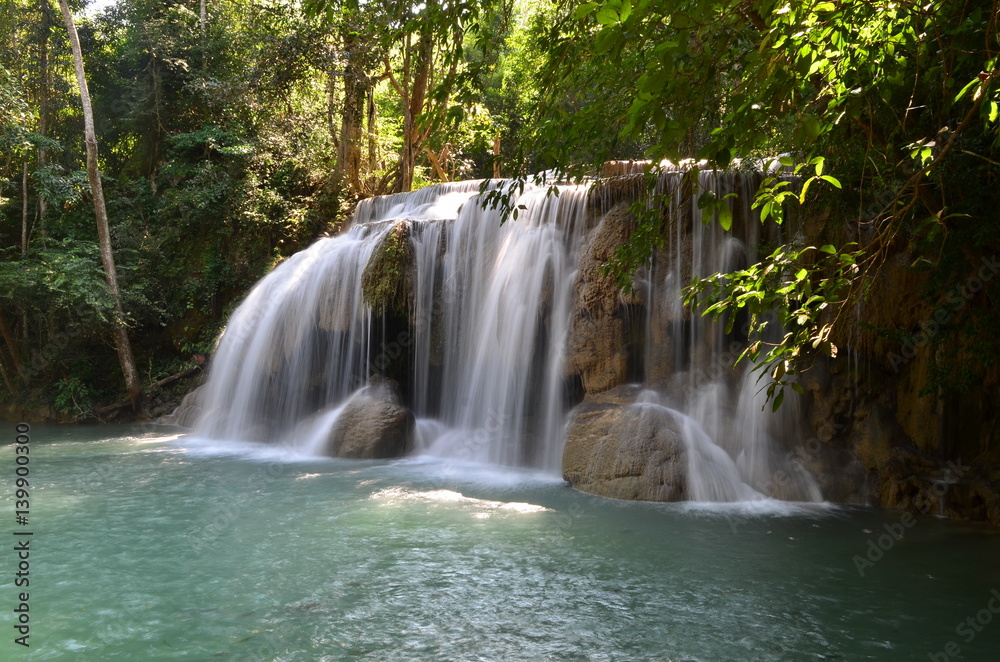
column 188, row 411
column 624, row 451
column 599, row 333
column 373, row 425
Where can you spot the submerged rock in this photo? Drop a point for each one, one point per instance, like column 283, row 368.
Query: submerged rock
column 625, row 451
column 373, row 425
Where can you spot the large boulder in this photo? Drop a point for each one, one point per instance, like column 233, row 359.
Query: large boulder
column 618, row 449
column 373, row 425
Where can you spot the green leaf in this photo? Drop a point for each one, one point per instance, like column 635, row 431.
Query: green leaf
column 805, row 189
column 966, row 89
column 607, row 16
column 812, row 127
column 786, row 161
column 778, row 400
column 765, row 211
column 725, row 217
column 828, row 248
column 584, row 10
column 832, row 180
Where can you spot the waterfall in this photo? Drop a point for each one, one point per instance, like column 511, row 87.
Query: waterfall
column 480, row 349
column 491, row 307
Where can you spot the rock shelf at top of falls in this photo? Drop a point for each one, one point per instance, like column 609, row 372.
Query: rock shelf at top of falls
column 510, row 343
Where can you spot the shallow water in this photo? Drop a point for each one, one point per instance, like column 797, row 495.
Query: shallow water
column 150, row 546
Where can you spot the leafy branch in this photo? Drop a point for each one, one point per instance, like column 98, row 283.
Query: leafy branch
column 792, row 298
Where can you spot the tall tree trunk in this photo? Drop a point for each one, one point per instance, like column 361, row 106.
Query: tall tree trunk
column 372, row 129
column 496, row 157
column 352, row 117
column 5, row 373
column 412, row 130
column 24, row 209
column 202, row 22
column 93, row 174
column 44, row 87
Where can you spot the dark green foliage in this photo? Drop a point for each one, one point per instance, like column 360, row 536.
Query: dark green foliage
column 899, row 100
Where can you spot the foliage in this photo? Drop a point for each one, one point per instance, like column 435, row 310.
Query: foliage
column 899, row 98
column 74, row 398
column 791, row 299
column 54, row 281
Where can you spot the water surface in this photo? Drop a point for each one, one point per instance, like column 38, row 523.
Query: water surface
column 150, row 546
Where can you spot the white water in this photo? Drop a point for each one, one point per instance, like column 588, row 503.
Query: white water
column 492, row 304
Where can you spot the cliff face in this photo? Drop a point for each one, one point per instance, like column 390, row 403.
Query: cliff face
column 871, row 430
column 655, row 408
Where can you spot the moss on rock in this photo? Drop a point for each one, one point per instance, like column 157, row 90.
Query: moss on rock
column 386, row 283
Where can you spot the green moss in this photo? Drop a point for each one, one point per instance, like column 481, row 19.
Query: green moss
column 384, row 283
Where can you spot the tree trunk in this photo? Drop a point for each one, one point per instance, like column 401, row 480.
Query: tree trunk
column 44, row 88
column 120, row 329
column 372, row 129
column 418, row 93
column 24, row 210
column 442, row 175
column 5, row 373
column 355, row 92
column 202, row 21
column 496, row 157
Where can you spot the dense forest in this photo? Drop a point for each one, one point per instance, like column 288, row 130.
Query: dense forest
column 233, row 133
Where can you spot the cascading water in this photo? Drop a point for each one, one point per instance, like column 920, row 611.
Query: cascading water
column 491, row 309
column 733, row 455
column 484, row 337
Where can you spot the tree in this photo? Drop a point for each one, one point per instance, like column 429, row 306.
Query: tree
column 421, row 50
column 119, row 322
column 899, row 99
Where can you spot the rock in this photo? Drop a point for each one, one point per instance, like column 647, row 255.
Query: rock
column 624, row 451
column 387, row 282
column 373, row 425
column 599, row 333
column 188, row 412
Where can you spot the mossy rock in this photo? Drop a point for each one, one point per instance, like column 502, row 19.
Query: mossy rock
column 387, row 281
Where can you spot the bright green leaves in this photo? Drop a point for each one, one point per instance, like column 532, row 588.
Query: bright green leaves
column 606, row 13
column 778, row 189
column 607, row 16
column 585, row 10
column 713, row 206
column 800, row 291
